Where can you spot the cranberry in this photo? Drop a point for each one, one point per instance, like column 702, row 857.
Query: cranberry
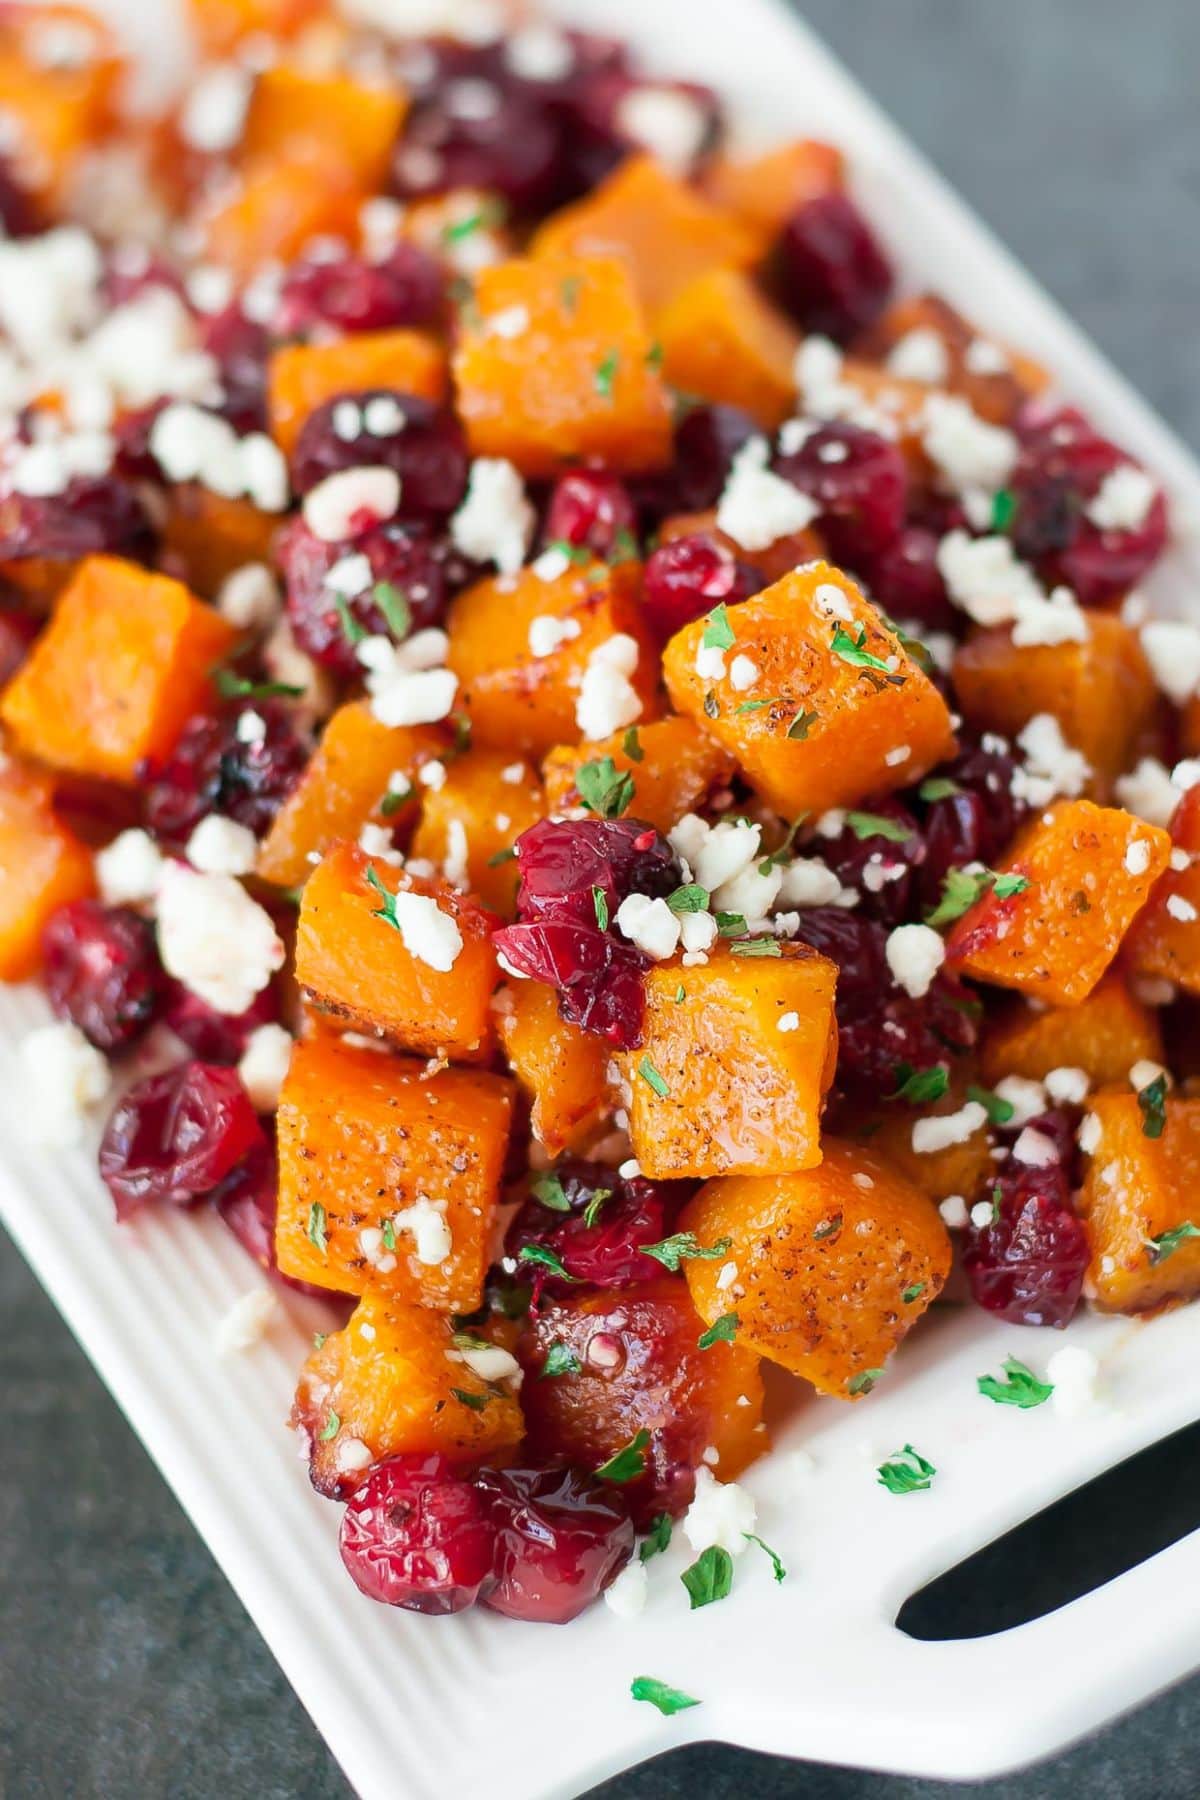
column 214, row 768
column 598, row 138
column 94, row 515
column 560, row 1540
column 175, row 1136
column 875, row 861
column 476, row 134
column 132, row 271
column 213, row 1036
column 591, row 510
column 1027, row 1265
column 247, row 1201
column 102, row 971
column 977, row 824
column 240, row 346
column 598, row 977
column 20, row 212
column 350, row 293
column 834, row 276
column 418, row 1535
column 425, row 446
column 688, row 577
column 562, row 862
column 407, row 558
column 17, row 632
column 858, row 480
column 707, row 438
column 609, row 1252
column 906, row 582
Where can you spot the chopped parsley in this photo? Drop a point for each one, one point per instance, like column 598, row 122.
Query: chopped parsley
column 752, row 706
column 652, row 1078
column 591, row 1211
column 785, row 849
column 718, row 632
column 395, row 608
column 920, row 1086
column 237, row 687
column 476, row 1402
column 386, row 912
column 1167, row 1242
column 387, row 1232
column 721, row 1331
column 938, row 787
column 394, row 799
column 568, row 290
column 654, row 356
column 545, row 1259
column 709, row 1578
column 1020, row 1386
column 685, row 1246
column 560, row 1360
column 331, row 1427
column 711, row 709
column 657, row 1693
column 600, row 907
column 827, row 1227
column 913, row 1292
column 351, row 630
column 864, row 1381
column 907, row 1472
column 868, row 825
column 631, row 745
column 316, row 1227
column 628, row 1463
column 961, row 888
column 730, row 924
column 606, row 374
column 499, row 857
column 802, row 724
column 1004, row 507
column 777, row 1568
column 657, row 1538
column 491, row 213
column 604, row 789
column 547, row 1189
column 1152, row 1104
column 691, row 898
column 854, row 651
column 762, row 946
column 999, row 1111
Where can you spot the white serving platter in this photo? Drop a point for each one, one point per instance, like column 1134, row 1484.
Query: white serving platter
column 813, row 1668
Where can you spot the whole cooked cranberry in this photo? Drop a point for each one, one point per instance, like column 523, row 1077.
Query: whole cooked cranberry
column 102, row 971
column 352, row 293
column 414, row 569
column 858, row 480
column 94, row 515
column 604, row 110
column 906, row 582
column 417, row 1534
column 422, row 443
column 977, row 823
column 592, row 510
column 560, row 1540
column 474, row 133
column 832, row 272
column 598, row 1225
column 598, row 977
column 175, row 1136
column 240, row 346
column 244, row 771
column 212, row 1036
column 877, row 852
column 564, row 861
column 707, row 438
column 20, row 213
column 688, row 577
column 1027, row 1265
column 247, row 1201
column 17, row 632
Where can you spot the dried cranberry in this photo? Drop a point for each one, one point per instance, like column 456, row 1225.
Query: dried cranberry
column 688, row 577
column 213, row 1036
column 563, row 862
column 20, row 212
column 474, row 133
column 1027, row 1265
column 247, row 1201
column 131, row 271
column 906, row 582
column 598, row 977
column 858, row 480
column 707, row 438
column 94, row 515
column 833, row 273
column 176, row 1135
column 350, row 293
column 215, row 768
column 102, row 971
column 240, row 346
column 17, row 632
column 867, row 854
column 424, row 444
column 598, row 137
column 974, row 825
column 592, row 510
column 417, row 1534
column 560, row 1540
column 629, row 1213
column 408, row 559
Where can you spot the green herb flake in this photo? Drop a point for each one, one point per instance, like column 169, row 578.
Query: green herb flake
column 730, row 924
column 560, row 1360
column 753, row 706
column 685, row 1246
column 577, row 554
column 316, row 1227
column 386, row 912
column 351, row 630
column 491, row 213
column 921, row 1086
column 604, row 789
column 689, row 899
column 652, row 1078
column 827, row 1227
column 499, row 857
column 545, row 1259
column 709, row 1578
column 631, row 745
column 1020, row 1386
column 395, row 608
column 762, row 946
column 1004, row 507
column 864, row 1381
column 777, row 1568
column 476, row 1402
column 961, row 888
column 1152, row 1104
column 388, row 1234
column 319, row 1339
column 938, row 787
column 393, row 800
column 914, row 1292
column 718, row 632
column 721, row 1331
column 568, row 291
column 802, row 724
column 547, row 1189
column 600, row 907
column 907, row 1472
column 657, row 1693
column 854, row 651
column 785, row 849
column 628, row 1463
column 624, row 549
column 237, row 687
column 592, row 1210
column 680, row 994
column 999, row 1111
column 330, row 1428
column 606, row 374
column 869, row 825
column 1167, row 1242
column 657, row 1538
column 1008, row 886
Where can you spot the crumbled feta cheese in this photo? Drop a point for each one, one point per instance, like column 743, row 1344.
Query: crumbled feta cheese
column 1027, row 1098
column 215, row 939
column 1137, row 856
column 752, row 892
column 1186, row 774
column 721, row 1514
column 249, row 598
column 406, row 683
column 1143, row 1072
column 650, row 924
column 833, row 601
column 1067, row 1086
column 1058, row 619
column 346, row 503
column 1074, row 1373
column 723, row 852
column 982, row 357
column 698, row 932
column 807, row 881
column 1089, row 1134
column 920, row 355
column 352, row 1456
column 1181, row 909
column 67, row 1077
column 1035, row 1148
column 981, row 1214
column 128, row 871
column 669, row 124
column 383, row 416
column 1149, row 792
column 490, row 1362
column 710, row 662
column 626, row 1596
column 937, row 1131
column 726, row 1276
column 214, row 112
column 548, row 633
column 428, row 933
column 244, row 1324
column 551, row 564
column 1052, row 766
column 495, row 521
column 539, row 52
column 1173, row 651
column 220, row 846
column 757, row 507
column 985, row 578
column 608, row 700
column 350, row 576
column 1124, row 499
column 190, row 444
column 968, row 451
column 743, row 674
column 376, row 841
column 788, row 1021
column 914, row 954
column 264, row 1064
column 954, row 1212
column 426, row 1225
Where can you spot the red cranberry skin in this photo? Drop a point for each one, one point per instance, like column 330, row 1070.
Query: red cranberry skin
column 175, row 1136
column 609, row 1253
column 429, row 453
column 246, row 1202
column 563, row 861
column 687, row 577
column 349, row 293
column 707, row 438
column 94, row 515
column 1027, row 1266
column 213, row 770
column 597, row 977
column 590, row 510
column 20, row 213
column 101, row 971
column 17, row 632
column 849, row 855
column 906, row 582
column 858, row 480
column 420, row 566
column 975, row 825
column 511, row 151
column 595, row 141
column 241, row 347
column 419, row 1536
column 212, row 1036
column 560, row 1540
column 835, row 277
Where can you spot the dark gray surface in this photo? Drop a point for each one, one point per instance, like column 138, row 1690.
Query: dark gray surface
column 128, row 1670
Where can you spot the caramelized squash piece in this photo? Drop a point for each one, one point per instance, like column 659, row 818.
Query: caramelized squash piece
column 1164, row 939
column 470, row 820
column 221, row 25
column 834, row 1265
column 1140, row 1195
column 207, row 536
column 276, row 208
column 1103, row 1034
column 763, row 191
column 301, row 377
column 993, row 378
column 722, row 340
column 554, row 365
column 717, row 1085
column 122, row 665
column 42, row 867
column 330, row 117
column 956, row 1169
column 1088, row 870
column 675, row 767
column 55, row 108
column 382, row 951
column 841, row 694
column 392, row 1383
column 389, row 1175
column 561, row 1069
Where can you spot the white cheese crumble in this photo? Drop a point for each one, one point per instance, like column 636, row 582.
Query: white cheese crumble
column 1074, row 1373
column 807, row 881
column 245, row 1323
column 743, row 673
column 626, row 1596
column 981, row 1214
column 1052, row 766
column 264, row 1064
column 1089, row 1134
column 249, row 598
column 938, row 1131
column 489, row 1361
column 970, row 453
column 1149, row 791
column 1035, row 1149
column 698, row 933
column 722, row 852
column 548, row 633
column 129, row 869
column 190, row 444
column 1027, row 1098
column 1137, row 856
column 985, row 578
column 650, row 924
column 215, row 939
column 351, row 501
column 954, row 1212
column 914, row 954
column 1172, row 649
column 428, row 933
column 608, row 700
column 426, row 1225
column 539, row 52
column 407, row 683
column 670, row 125
column 1058, row 619
column 214, row 112
column 752, row 893
column 220, row 846
column 1124, row 499
column 1067, row 1086
column 721, row 1514
column 757, row 507
column 920, row 355
column 495, row 521
column 67, row 1077
column 1181, row 909
column 788, row 1021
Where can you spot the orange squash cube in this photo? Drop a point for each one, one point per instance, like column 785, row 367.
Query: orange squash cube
column 1164, row 939
column 389, row 1174
column 994, row 392
column 376, row 948
column 294, row 113
column 275, row 208
column 663, row 230
column 122, row 665
column 722, row 340
column 841, row 693
column 956, row 1169
column 221, row 25
column 301, row 377
column 834, row 1265
column 1103, row 1034
column 523, row 702
column 1088, row 870
column 561, row 1069
column 207, row 536
column 55, row 109
column 763, row 191
column 470, row 821
column 717, row 1086
column 42, row 867
column 675, row 768
column 554, row 366
column 1139, row 1197
column 391, row 1383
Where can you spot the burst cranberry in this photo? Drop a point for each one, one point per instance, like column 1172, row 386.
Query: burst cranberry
column 212, row 1036
column 1027, row 1265
column 560, row 1540
column 906, row 582
column 175, row 1136
column 834, row 276
column 476, row 134
column 974, row 825
column 563, row 862
column 688, row 577
column 598, row 978
column 629, row 1213
column 868, row 855
column 707, row 439
column 601, row 109
column 416, row 568
column 418, row 1535
column 424, row 444
column 94, row 514
column 857, row 478
column 350, row 293
column 240, row 346
column 247, row 1201
column 102, row 971
column 591, row 510
column 220, row 766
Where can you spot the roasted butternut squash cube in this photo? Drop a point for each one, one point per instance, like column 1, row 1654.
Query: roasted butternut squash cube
column 675, row 769
column 360, row 772
column 664, row 231
column 834, row 1265
column 1101, row 692
column 763, row 191
column 995, row 379
column 1164, row 939
column 276, row 207
column 722, row 340
column 221, row 25
column 521, row 647
column 817, row 694
column 301, row 377
column 1141, row 1200
column 55, row 107
column 555, row 365
column 42, row 867
column 207, row 536
column 413, row 960
column 394, row 1382
column 1086, row 872
column 122, row 665
column 1103, row 1034
column 957, row 1169
column 389, row 1174
column 735, row 1060
column 471, row 819
column 561, row 1069
column 294, row 112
